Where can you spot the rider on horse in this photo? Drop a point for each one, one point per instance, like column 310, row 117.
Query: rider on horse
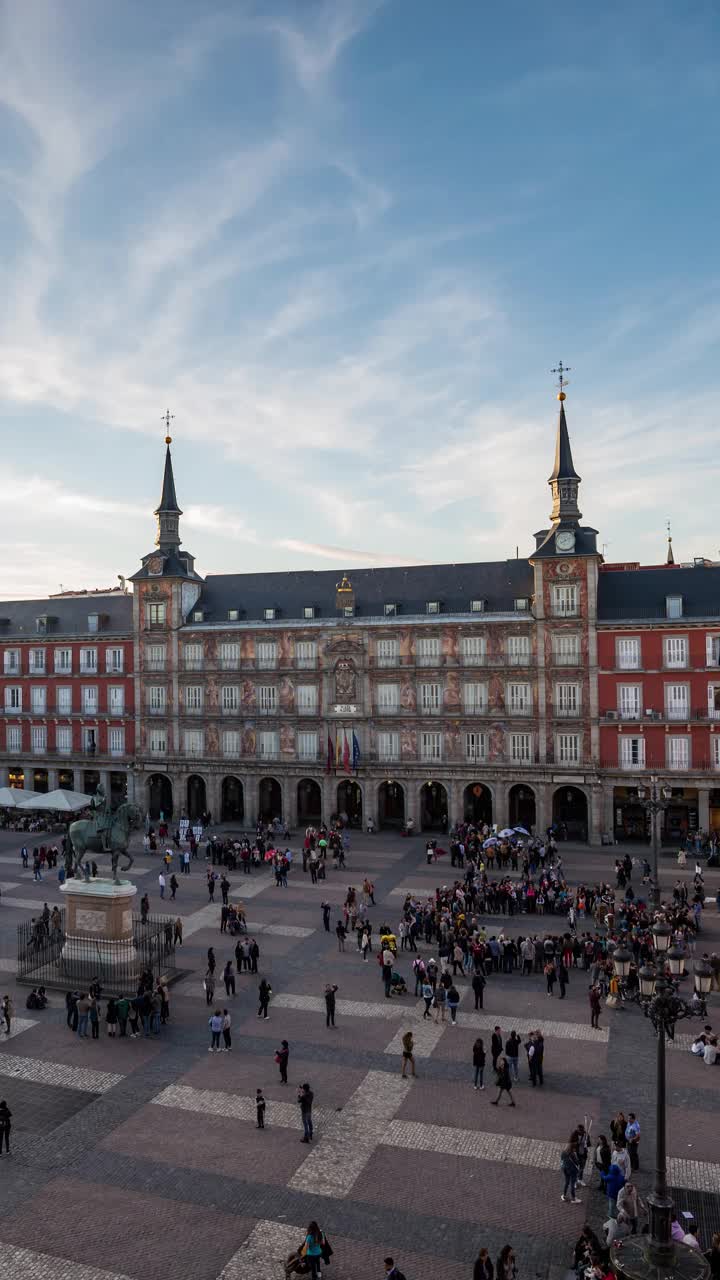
column 102, row 817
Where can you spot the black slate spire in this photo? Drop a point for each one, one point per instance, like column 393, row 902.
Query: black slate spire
column 168, row 512
column 564, row 479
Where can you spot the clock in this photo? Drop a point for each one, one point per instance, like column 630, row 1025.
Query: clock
column 565, row 540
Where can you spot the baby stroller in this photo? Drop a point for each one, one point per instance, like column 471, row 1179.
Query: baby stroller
column 397, row 984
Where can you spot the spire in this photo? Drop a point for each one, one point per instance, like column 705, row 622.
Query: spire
column 564, row 479
column 670, row 557
column 168, row 511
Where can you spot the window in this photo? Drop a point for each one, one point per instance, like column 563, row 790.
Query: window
column 155, row 614
column 267, row 698
column 89, row 741
column 63, row 740
column 158, row 742
column 309, row 611
column 387, row 653
column 715, row 750
column 431, row 747
column 155, row 657
column 632, row 752
column 430, row 699
column 566, row 650
column 38, row 699
column 156, row 699
column 712, row 651
column 518, row 699
column 629, row 701
column 306, row 696
column 194, row 742
column 63, row 699
column 565, row 600
column 63, row 661
column 36, row 662
column 677, row 701
column 475, row 747
column 38, row 738
column 268, row 745
column 233, row 615
column 13, row 737
column 477, row 606
column 13, row 698
column 678, row 753
column 229, row 655
column 114, row 660
column 116, row 700
column 307, row 745
column 673, row 606
column 388, row 745
column 231, row 742
column 567, row 699
column 518, row 651
column 41, row 624
column 388, row 698
column 474, row 699
column 229, row 698
column 428, row 651
column 306, row 653
column 568, row 748
column 116, row 742
column 11, row 662
column 521, row 748
column 192, row 657
column 522, row 604
column 432, row 606
column 193, row 698
column 714, row 701
column 675, row 649
column 627, row 653
column 93, row 622
column 198, row 615
column 348, row 611
column 269, row 614
column 267, row 654
column 88, row 661
column 473, row 650
column 390, row 610
column 90, row 699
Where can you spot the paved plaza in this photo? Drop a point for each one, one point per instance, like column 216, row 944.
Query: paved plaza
column 141, row 1158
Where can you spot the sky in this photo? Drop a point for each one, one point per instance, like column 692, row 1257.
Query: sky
column 345, row 242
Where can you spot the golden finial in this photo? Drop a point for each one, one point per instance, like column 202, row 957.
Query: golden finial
column 561, row 369
column 167, row 419
column 345, row 585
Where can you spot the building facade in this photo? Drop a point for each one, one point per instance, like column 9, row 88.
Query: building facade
column 520, row 692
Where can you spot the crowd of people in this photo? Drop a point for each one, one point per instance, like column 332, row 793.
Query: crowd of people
column 133, row 1016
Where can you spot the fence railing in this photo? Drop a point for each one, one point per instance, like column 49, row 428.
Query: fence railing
column 46, row 955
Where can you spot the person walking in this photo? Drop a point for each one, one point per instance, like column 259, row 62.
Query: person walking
column 427, row 995
column 341, row 933
column 453, row 1000
column 260, row 1108
column 282, row 1056
column 178, row 931
column 305, row 1100
column 325, row 908
column 483, row 1268
column 612, row 1182
column 503, row 1081
column 7, row 1010
column 478, row 1052
column 313, row 1247
column 209, row 985
column 265, row 992
column 174, row 886
column 215, row 1023
column 570, row 1167
column 330, row 1005
column 5, row 1126
column 408, row 1054
column 505, row 1268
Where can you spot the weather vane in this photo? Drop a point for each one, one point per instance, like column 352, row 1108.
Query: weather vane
column 561, row 369
column 167, row 418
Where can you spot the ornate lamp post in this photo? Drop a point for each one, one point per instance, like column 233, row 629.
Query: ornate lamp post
column 657, row 1256
column 653, row 804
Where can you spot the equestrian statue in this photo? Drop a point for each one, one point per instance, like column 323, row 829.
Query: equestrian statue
column 107, row 831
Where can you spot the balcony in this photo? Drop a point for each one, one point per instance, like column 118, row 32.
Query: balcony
column 193, row 664
column 311, row 710
column 157, row 711
column 475, row 709
column 566, row 659
column 519, row 659
column 678, row 713
column 567, row 713
column 430, row 711
column 524, row 710
column 88, row 670
column 154, row 664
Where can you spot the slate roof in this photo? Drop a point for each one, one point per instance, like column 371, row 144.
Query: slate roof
column 564, row 468
column 640, row 593
column 498, row 582
column 168, row 500
column 71, row 614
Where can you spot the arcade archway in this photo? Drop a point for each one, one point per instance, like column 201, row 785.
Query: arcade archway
column 391, row 804
column 196, row 797
column 521, row 807
column 477, row 804
column 159, row 797
column 570, row 813
column 232, row 800
column 433, row 807
column 309, row 802
column 269, row 800
column 349, row 801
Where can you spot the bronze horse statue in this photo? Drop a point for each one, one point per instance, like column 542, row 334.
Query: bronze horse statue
column 84, row 837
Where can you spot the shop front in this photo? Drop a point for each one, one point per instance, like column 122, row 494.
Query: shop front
column 630, row 821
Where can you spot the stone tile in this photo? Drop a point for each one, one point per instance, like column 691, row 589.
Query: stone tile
column 694, row 1175
column 17, row 1027
column 85, row 1078
column 25, row 1264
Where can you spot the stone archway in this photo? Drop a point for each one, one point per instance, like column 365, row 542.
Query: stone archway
column 269, row 800
column 159, row 797
column 433, row 807
column 196, row 797
column 477, row 804
column 522, row 810
column 391, row 804
column 232, row 800
column 309, row 802
column 350, row 801
column 570, row 813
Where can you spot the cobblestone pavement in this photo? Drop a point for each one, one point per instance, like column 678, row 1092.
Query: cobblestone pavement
column 156, row 1138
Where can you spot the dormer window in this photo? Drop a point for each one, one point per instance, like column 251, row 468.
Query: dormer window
column 198, row 615
column 41, row 625
column 390, row 610
column 477, row 606
column 270, row 614
column 432, row 606
column 348, row 611
column 233, row 615
column 522, row 604
column 673, row 606
column 309, row 611
column 93, row 622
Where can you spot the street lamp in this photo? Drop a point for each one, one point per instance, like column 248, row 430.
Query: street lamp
column 657, row 1256
column 653, row 804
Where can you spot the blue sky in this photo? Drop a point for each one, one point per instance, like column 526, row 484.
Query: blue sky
column 345, row 242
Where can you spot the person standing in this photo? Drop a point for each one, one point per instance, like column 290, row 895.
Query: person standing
column 341, row 933
column 512, row 1049
column 408, row 1055
column 209, row 985
column 392, row 1272
column 282, row 1056
column 174, row 885
column 571, row 1171
column 563, row 978
column 7, row 1013
column 229, row 978
column 178, row 931
column 478, row 986
column 5, row 1126
column 226, row 1031
column 215, row 1023
column 260, row 1108
column 505, row 1268
column 265, row 992
column 503, row 1081
column 330, row 1005
column 453, row 1000
column 325, row 908
column 632, row 1138
column 305, row 1099
column 483, row 1269
column 161, row 883
column 479, row 1062
column 594, row 998
column 496, row 1046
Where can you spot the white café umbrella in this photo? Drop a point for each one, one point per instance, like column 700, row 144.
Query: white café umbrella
column 521, row 831
column 59, row 801
column 11, row 797
column 506, row 831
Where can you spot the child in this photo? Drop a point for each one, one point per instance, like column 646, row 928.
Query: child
column 260, row 1105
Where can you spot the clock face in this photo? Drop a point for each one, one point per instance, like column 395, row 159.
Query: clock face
column 565, row 540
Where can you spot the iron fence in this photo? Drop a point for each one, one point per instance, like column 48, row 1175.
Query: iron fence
column 45, row 954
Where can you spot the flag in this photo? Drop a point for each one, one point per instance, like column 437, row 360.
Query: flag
column 346, row 752
column 330, row 753
column 338, row 749
column 355, row 752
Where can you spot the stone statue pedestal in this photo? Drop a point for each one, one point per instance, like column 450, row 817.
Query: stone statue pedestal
column 99, row 928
